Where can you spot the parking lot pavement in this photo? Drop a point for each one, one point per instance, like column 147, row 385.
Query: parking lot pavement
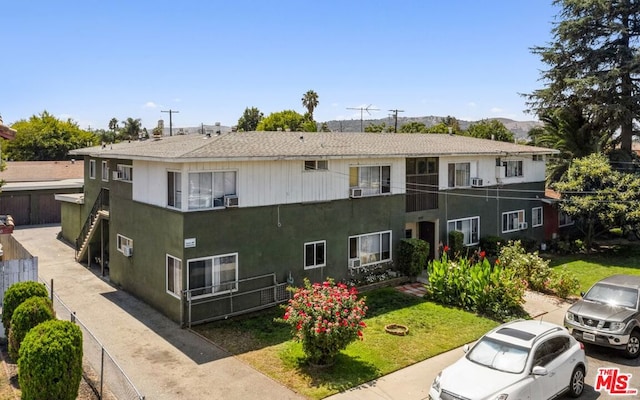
column 163, row 361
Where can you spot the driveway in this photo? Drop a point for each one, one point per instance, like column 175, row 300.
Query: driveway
column 162, row 360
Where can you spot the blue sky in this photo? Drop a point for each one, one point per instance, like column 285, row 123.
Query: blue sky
column 209, row 60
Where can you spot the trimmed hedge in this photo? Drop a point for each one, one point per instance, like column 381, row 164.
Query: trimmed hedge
column 412, row 256
column 50, row 362
column 456, row 243
column 16, row 294
column 27, row 315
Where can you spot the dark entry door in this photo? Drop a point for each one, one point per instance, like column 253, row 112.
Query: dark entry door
column 427, row 232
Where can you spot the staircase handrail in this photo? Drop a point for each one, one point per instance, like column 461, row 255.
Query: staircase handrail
column 101, row 203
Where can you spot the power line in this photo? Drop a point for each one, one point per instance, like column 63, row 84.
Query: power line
column 171, row 112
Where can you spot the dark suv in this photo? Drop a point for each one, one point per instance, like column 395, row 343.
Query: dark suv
column 607, row 315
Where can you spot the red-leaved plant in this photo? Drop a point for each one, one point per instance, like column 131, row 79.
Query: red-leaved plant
column 325, row 317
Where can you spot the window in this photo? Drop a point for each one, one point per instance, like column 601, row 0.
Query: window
column 372, row 248
column 207, row 189
column 213, row 275
column 105, row 171
column 174, row 276
column 459, row 174
column 174, row 189
column 315, row 165
column 470, row 227
column 92, row 169
column 122, row 242
column 125, row 172
column 564, row 219
column 372, row 180
column 538, row 157
column 512, row 168
column 536, row 216
column 550, row 350
column 513, row 221
column 315, row 254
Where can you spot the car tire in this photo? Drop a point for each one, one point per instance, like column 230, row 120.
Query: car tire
column 633, row 346
column 576, row 384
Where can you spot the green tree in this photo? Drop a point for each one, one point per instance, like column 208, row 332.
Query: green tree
column 287, row 119
column 132, row 128
column 451, row 122
column 250, row 119
column 324, row 127
column 413, row 127
column 378, row 128
column 441, row 127
column 490, row 129
column 310, row 102
column 44, row 137
column 593, row 62
column 569, row 131
column 599, row 197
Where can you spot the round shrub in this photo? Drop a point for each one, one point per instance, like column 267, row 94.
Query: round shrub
column 50, row 361
column 27, row 315
column 16, row 294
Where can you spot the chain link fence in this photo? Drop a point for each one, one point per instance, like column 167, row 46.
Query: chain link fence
column 101, row 370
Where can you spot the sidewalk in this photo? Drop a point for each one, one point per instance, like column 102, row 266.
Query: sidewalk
column 163, row 361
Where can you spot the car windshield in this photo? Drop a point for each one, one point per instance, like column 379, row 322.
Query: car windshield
column 613, row 295
column 499, row 355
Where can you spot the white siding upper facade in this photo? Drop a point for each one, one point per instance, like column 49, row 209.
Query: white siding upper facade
column 486, row 169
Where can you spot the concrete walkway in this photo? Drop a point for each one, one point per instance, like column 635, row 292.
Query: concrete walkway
column 162, row 360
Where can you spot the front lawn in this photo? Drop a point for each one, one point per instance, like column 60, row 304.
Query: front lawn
column 267, row 346
column 590, row 268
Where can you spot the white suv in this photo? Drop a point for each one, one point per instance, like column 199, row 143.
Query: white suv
column 517, row 360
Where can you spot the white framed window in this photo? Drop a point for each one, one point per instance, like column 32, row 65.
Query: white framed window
column 470, row 227
column 125, row 172
column 207, row 189
column 105, row 171
column 174, row 189
column 373, row 180
column 122, row 242
column 315, row 254
column 370, row 248
column 214, row 275
column 513, row 221
column 174, row 276
column 316, row 165
column 459, row 174
column 513, row 168
column 536, row 216
column 564, row 219
column 92, row 169
column 538, row 157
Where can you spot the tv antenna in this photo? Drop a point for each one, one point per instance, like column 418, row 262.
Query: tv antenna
column 362, row 110
column 395, row 118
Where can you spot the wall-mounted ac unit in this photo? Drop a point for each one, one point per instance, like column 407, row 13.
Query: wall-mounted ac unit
column 127, row 251
column 500, row 172
column 354, row 263
column 523, row 225
column 477, row 182
column 356, row 192
column 117, row 175
column 231, row 201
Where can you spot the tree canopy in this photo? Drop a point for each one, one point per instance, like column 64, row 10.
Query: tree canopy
column 413, row 127
column 310, row 102
column 250, row 119
column 45, row 138
column 287, row 119
column 490, row 129
column 132, row 129
column 594, row 63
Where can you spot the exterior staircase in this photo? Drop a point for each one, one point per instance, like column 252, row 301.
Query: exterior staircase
column 99, row 212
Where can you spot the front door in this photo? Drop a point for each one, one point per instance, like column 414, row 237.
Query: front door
column 427, row 232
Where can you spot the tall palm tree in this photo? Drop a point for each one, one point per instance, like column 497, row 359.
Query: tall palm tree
column 570, row 131
column 113, row 124
column 132, row 128
column 310, row 102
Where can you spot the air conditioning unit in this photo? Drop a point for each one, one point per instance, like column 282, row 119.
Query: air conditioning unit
column 477, row 182
column 356, row 192
column 117, row 175
column 231, row 201
column 127, row 251
column 523, row 225
column 354, row 263
column 500, row 172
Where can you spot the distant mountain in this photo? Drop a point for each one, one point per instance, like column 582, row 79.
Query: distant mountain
column 519, row 128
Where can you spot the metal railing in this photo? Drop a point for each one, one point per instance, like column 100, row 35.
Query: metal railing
column 101, row 203
column 101, row 370
column 235, row 298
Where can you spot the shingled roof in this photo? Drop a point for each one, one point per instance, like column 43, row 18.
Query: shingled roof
column 241, row 146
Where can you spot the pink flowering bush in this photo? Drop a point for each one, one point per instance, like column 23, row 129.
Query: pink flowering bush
column 325, row 317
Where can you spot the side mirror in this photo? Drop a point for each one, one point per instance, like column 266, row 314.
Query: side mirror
column 465, row 348
column 581, row 294
column 539, row 371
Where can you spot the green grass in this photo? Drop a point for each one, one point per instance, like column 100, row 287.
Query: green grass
column 590, row 268
column 267, row 345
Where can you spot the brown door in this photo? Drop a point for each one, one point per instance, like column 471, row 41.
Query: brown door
column 427, row 232
column 18, row 206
